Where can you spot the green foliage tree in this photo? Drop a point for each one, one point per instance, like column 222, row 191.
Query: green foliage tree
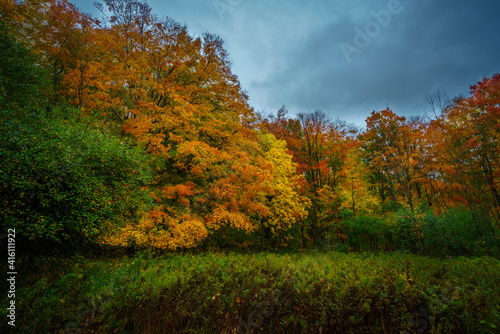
column 21, row 83
column 59, row 179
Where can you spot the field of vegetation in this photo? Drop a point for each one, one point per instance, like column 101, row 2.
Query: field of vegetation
column 322, row 292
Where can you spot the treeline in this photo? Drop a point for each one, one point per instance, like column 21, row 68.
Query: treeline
column 131, row 132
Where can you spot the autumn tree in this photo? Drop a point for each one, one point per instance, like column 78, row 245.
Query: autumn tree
column 176, row 95
column 319, row 147
column 393, row 148
column 24, row 18
column 354, row 190
column 485, row 111
column 285, row 205
column 465, row 141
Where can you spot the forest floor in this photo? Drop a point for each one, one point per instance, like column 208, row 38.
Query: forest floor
column 228, row 292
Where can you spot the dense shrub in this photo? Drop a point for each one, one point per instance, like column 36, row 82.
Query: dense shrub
column 61, row 179
column 456, row 232
column 453, row 232
column 363, row 232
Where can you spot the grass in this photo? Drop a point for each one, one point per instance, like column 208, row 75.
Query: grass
column 265, row 293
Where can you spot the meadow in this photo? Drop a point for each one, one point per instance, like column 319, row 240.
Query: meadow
column 268, row 292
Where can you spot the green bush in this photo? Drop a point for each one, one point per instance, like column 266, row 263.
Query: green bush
column 404, row 232
column 455, row 232
column 364, row 232
column 61, row 179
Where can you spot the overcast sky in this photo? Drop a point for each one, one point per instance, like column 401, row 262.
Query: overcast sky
column 347, row 57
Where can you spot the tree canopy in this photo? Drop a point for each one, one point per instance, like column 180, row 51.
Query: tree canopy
column 127, row 130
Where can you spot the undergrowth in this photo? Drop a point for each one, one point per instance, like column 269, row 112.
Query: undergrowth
column 264, row 293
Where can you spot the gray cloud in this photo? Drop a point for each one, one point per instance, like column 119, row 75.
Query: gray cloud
column 289, row 52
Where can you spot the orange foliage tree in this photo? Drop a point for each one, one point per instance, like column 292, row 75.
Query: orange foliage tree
column 178, row 97
column 465, row 146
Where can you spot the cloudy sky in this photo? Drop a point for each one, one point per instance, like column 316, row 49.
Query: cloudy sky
column 347, row 57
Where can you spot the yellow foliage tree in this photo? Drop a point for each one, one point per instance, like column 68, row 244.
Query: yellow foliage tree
column 354, row 191
column 161, row 230
column 285, row 205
